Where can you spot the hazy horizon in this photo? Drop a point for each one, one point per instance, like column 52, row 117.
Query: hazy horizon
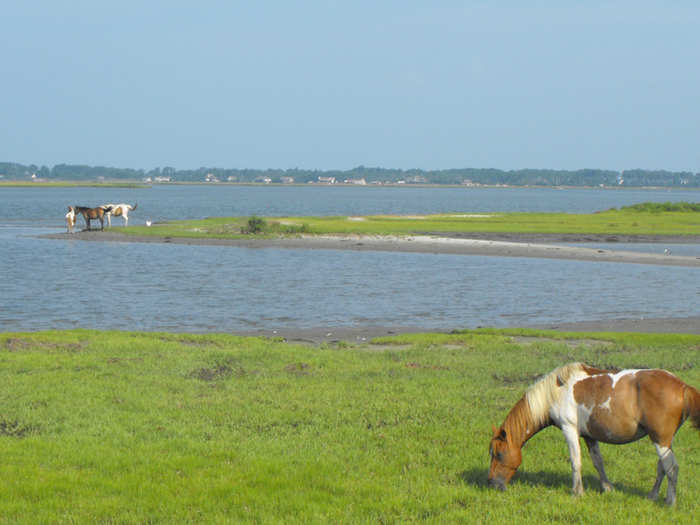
column 331, row 86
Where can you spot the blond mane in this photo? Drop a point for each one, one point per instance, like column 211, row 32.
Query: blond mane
column 546, row 391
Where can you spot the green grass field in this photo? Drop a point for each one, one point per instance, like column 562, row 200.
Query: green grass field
column 122, row 427
column 645, row 219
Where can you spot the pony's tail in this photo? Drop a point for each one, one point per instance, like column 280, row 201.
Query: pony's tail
column 134, row 206
column 692, row 405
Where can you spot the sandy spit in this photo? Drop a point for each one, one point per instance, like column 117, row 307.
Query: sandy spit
column 511, row 245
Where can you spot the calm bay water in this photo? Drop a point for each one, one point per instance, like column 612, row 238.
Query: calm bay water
column 65, row 284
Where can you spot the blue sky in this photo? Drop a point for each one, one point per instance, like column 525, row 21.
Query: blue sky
column 333, row 85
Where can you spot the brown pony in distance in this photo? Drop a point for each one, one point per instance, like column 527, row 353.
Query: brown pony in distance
column 599, row 405
column 90, row 214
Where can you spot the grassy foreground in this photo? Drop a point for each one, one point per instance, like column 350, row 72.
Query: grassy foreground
column 645, row 219
column 119, row 427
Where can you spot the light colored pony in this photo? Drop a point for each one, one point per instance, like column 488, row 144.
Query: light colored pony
column 119, row 210
column 70, row 219
column 599, row 405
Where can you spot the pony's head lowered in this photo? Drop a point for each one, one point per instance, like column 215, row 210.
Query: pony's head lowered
column 505, row 459
column 529, row 415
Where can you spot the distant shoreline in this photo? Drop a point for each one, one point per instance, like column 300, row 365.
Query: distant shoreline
column 499, row 245
column 11, row 183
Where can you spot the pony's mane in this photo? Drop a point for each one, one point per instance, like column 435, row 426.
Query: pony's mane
column 546, row 391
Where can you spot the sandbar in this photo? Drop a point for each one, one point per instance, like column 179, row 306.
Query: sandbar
column 500, row 245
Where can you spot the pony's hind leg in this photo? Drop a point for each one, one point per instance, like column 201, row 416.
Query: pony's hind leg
column 660, row 473
column 667, row 460
column 597, row 458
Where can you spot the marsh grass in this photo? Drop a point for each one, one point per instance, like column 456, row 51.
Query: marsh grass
column 644, row 219
column 120, row 427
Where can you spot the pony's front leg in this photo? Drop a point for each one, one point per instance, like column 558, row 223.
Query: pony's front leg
column 572, row 439
column 597, row 458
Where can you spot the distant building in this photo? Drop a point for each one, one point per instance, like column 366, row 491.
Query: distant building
column 357, row 182
column 326, row 180
column 287, row 180
column 210, row 178
column 232, row 178
column 162, row 179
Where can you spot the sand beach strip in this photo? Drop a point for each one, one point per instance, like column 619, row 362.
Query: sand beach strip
column 512, row 245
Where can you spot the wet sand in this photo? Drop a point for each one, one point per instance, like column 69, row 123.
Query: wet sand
column 500, row 245
column 363, row 334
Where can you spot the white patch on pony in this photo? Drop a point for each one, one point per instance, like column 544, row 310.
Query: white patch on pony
column 543, row 398
column 662, row 451
column 619, row 375
column 584, row 415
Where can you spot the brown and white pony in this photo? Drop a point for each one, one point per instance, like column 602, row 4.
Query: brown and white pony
column 70, row 219
column 119, row 210
column 599, row 405
column 90, row 214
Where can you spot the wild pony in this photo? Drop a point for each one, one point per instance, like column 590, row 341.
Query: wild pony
column 600, row 405
column 119, row 210
column 70, row 219
column 90, row 214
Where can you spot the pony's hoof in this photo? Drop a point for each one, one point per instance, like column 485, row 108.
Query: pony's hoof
column 607, row 487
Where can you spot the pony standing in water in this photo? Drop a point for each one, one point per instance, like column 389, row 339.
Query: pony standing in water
column 70, row 219
column 119, row 210
column 600, row 405
column 90, row 214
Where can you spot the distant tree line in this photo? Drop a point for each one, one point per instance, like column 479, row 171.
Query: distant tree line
column 475, row 176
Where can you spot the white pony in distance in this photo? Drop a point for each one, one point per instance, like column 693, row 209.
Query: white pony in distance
column 119, row 210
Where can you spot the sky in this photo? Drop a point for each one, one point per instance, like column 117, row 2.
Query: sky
column 334, row 85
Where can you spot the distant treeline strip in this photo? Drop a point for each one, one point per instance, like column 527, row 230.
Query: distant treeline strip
column 478, row 176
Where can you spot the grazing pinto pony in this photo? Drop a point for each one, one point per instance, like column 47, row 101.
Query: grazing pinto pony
column 600, row 405
column 70, row 219
column 119, row 210
column 90, row 214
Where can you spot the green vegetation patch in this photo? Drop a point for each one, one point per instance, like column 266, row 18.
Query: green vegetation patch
column 643, row 219
column 127, row 427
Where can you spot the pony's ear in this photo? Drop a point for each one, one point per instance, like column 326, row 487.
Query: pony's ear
column 502, row 435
